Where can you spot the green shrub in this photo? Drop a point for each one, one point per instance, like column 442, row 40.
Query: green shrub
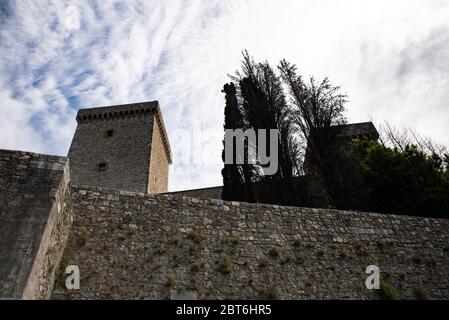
column 193, row 248
column 387, row 292
column 192, row 286
column 233, row 241
column 224, row 265
column 300, row 260
column 177, row 257
column 159, row 250
column 274, row 252
column 417, row 259
column 197, row 266
column 60, row 273
column 297, row 243
column 344, row 255
column 195, row 236
column 421, row 294
column 384, row 243
column 270, row 293
column 286, row 259
column 263, row 262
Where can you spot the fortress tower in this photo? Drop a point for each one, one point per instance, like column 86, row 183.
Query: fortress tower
column 121, row 147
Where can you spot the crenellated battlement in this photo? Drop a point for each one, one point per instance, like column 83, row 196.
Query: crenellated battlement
column 120, row 111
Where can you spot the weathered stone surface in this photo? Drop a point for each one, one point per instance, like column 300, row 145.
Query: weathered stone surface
column 142, row 246
column 203, row 193
column 183, row 295
column 35, row 218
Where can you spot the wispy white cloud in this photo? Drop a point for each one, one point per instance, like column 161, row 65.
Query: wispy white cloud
column 389, row 56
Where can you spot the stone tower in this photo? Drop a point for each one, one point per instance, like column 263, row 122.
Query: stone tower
column 121, row 147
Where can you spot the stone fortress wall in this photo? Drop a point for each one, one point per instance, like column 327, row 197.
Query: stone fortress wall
column 35, row 220
column 140, row 246
column 137, row 246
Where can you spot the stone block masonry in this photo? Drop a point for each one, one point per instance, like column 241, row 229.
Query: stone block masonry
column 136, row 246
column 35, row 219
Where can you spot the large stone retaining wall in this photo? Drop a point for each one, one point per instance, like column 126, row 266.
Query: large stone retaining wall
column 35, row 220
column 136, row 246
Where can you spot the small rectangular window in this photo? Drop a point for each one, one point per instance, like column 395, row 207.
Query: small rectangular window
column 109, row 133
column 102, row 166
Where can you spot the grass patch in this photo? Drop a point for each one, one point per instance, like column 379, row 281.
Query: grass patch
column 82, row 239
column 176, row 240
column 232, row 241
column 193, row 248
column 60, row 273
column 224, row 265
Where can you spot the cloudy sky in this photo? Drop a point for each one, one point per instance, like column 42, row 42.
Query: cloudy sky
column 390, row 57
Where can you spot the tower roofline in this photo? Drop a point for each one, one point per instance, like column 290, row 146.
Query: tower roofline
column 126, row 111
